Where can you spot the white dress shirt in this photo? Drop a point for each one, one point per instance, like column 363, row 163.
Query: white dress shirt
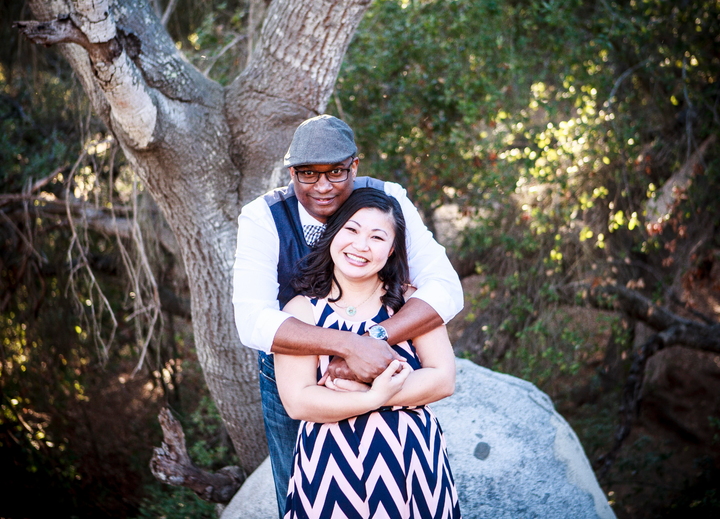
column 255, row 284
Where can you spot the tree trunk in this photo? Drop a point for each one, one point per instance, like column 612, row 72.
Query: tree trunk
column 201, row 150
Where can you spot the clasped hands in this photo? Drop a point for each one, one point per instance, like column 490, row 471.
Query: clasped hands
column 372, row 362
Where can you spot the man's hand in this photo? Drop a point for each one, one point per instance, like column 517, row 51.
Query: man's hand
column 368, row 358
column 338, row 368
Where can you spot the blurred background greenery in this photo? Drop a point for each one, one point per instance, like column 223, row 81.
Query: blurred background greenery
column 538, row 139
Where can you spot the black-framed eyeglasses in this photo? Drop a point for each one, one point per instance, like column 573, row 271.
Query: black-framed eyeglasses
column 307, row 176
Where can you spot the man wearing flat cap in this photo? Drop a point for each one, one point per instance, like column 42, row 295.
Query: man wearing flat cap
column 277, row 230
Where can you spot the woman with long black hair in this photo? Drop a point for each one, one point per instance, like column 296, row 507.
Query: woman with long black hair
column 366, row 451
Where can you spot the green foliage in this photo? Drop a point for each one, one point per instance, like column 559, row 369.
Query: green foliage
column 715, row 424
column 550, row 125
column 219, row 42
column 700, row 500
column 548, row 347
column 174, row 503
column 37, row 126
column 210, row 447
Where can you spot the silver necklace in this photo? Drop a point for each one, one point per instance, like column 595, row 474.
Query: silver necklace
column 351, row 310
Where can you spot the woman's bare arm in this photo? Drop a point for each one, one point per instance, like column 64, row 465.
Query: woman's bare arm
column 436, row 379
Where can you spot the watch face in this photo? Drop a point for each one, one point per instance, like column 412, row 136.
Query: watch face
column 378, row 332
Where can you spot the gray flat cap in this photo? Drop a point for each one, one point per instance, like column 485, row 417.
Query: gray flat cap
column 321, row 140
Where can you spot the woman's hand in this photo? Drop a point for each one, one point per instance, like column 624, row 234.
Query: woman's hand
column 345, row 385
column 390, row 381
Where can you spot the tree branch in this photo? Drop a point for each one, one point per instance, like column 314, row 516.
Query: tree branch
column 92, row 27
column 217, row 56
column 303, row 43
column 691, row 334
column 64, row 30
column 171, row 464
column 667, row 197
column 673, row 330
column 168, row 11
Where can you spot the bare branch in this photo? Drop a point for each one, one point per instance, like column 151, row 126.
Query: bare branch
column 171, row 464
column 668, row 195
column 104, row 303
column 168, row 11
column 37, row 186
column 62, row 30
column 24, row 238
column 672, row 330
column 688, row 113
column 226, row 48
column 705, row 318
column 619, row 81
column 338, row 105
column 686, row 332
column 153, row 305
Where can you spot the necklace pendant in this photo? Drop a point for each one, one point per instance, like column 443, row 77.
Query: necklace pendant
column 351, row 310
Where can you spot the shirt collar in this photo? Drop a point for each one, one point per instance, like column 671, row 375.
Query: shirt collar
column 305, row 218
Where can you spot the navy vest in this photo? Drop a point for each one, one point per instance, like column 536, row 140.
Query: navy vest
column 283, row 205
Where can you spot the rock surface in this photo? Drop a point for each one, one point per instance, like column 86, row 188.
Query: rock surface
column 680, row 394
column 512, row 456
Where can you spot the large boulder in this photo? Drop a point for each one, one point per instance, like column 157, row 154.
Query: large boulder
column 681, row 394
column 513, row 456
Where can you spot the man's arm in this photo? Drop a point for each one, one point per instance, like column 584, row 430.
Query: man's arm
column 255, row 283
column 414, row 319
column 365, row 356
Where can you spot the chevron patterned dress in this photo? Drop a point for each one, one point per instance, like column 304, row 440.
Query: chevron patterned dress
column 389, row 463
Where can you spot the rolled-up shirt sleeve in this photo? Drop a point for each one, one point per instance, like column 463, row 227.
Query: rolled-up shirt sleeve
column 431, row 273
column 255, row 283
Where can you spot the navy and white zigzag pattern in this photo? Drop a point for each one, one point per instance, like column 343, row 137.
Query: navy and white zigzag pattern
column 388, row 463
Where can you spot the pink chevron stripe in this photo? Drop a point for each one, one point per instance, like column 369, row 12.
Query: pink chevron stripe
column 381, row 513
column 431, row 496
column 378, row 428
column 311, row 464
column 337, row 513
column 332, row 472
column 428, row 449
column 381, row 472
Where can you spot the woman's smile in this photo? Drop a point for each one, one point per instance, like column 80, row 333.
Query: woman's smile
column 356, row 259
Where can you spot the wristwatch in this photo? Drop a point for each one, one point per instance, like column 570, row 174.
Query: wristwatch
column 378, row 332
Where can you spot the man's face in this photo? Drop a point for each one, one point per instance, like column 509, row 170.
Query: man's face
column 323, row 198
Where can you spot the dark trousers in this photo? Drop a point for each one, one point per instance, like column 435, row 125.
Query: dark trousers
column 280, row 429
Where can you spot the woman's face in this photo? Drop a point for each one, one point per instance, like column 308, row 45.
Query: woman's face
column 362, row 246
